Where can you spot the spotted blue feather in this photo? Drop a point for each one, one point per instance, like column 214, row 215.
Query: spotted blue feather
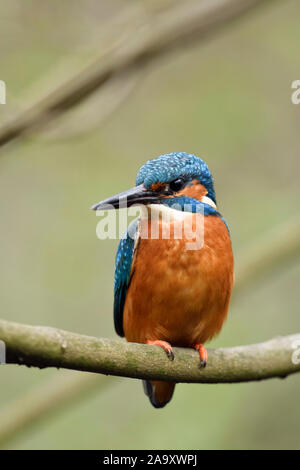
column 171, row 166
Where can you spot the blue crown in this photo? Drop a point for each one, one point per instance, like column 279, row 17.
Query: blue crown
column 172, row 166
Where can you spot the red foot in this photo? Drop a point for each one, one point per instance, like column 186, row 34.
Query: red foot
column 163, row 344
column 202, row 353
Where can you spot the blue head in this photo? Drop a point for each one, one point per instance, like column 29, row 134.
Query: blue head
column 169, row 178
column 178, row 171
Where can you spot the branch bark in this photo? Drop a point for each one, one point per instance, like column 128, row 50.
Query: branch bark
column 161, row 33
column 49, row 347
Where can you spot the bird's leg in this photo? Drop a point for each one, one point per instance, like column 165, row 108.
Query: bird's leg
column 164, row 345
column 202, row 353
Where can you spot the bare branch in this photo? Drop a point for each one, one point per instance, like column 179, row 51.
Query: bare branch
column 49, row 347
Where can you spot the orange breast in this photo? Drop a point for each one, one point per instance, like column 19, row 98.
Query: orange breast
column 180, row 295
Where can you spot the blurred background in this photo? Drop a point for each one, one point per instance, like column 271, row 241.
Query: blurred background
column 227, row 99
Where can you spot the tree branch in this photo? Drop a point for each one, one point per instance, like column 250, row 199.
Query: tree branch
column 159, row 34
column 50, row 347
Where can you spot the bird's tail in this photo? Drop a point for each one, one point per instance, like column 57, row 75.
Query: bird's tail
column 159, row 393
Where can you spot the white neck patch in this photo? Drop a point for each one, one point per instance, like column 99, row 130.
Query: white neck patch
column 162, row 210
column 208, row 201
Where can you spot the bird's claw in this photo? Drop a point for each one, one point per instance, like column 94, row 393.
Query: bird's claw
column 170, row 354
column 164, row 345
column 202, row 353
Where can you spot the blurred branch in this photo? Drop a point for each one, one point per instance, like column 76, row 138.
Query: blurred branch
column 95, row 110
column 277, row 248
column 48, row 347
column 161, row 33
column 45, row 401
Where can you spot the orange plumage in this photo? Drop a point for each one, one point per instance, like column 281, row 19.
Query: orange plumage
column 177, row 295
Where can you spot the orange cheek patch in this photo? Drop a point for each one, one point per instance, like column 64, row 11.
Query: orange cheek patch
column 194, row 189
column 158, row 186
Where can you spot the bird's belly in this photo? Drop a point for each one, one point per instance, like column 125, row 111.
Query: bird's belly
column 179, row 295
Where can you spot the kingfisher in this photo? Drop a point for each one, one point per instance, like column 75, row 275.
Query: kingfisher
column 167, row 293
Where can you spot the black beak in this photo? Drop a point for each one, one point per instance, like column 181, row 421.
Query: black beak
column 137, row 195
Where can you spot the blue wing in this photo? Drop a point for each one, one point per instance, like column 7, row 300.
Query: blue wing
column 123, row 273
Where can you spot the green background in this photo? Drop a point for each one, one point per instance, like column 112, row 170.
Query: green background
column 227, row 99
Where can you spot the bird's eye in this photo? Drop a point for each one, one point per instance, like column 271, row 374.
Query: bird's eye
column 176, row 185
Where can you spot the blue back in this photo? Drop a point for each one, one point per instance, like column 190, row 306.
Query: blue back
column 123, row 273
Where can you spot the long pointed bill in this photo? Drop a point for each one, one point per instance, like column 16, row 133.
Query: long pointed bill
column 137, row 195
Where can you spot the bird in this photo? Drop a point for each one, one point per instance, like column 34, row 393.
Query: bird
column 165, row 294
